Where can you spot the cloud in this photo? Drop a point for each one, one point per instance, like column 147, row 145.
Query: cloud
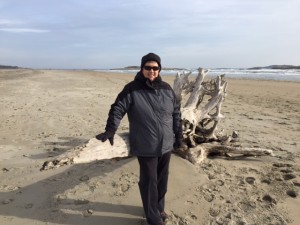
column 23, row 30
column 7, row 22
column 186, row 33
column 18, row 26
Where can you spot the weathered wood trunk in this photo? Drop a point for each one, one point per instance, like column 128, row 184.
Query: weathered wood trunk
column 202, row 111
column 92, row 151
column 201, row 103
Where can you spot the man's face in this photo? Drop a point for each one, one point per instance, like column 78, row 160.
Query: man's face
column 151, row 70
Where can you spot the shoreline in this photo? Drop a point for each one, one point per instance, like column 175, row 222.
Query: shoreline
column 232, row 74
column 280, row 78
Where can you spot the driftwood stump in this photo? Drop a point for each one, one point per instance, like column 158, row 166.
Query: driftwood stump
column 201, row 102
column 201, row 113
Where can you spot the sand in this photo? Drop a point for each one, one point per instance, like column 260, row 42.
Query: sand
column 45, row 113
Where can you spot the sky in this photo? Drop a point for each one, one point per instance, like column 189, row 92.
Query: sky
column 103, row 34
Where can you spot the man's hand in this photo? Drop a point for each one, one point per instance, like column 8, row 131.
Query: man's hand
column 177, row 144
column 106, row 135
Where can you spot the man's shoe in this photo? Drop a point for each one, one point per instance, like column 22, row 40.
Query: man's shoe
column 159, row 223
column 164, row 216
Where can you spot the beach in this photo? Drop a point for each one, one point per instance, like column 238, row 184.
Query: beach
column 45, row 113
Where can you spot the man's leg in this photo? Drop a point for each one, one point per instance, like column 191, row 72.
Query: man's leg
column 148, row 188
column 162, row 178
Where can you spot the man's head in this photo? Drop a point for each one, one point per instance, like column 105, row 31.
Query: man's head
column 150, row 66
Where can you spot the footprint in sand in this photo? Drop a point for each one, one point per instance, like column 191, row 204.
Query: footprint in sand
column 269, row 199
column 29, row 206
column 286, row 170
column 289, row 176
column 250, row 180
column 251, row 170
column 214, row 212
column 209, row 197
column 124, row 183
column 278, row 165
column 296, row 183
column 292, row 193
column 247, row 206
column 7, row 201
column 220, row 182
column 266, row 181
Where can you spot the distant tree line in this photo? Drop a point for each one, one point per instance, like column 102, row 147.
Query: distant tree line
column 282, row 67
column 8, row 67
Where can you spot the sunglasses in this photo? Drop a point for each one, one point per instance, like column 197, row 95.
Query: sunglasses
column 154, row 68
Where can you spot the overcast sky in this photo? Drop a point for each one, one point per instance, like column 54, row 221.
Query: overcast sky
column 115, row 33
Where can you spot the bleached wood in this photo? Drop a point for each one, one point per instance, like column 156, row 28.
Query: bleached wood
column 182, row 85
column 199, row 153
column 92, row 151
column 192, row 102
column 197, row 114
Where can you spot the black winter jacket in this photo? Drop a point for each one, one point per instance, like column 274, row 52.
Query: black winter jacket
column 153, row 114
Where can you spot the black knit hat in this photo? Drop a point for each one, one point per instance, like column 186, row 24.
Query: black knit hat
column 150, row 57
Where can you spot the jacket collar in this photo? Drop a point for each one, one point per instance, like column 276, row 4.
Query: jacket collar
column 152, row 84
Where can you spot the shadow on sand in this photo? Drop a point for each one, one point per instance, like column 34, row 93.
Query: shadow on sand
column 39, row 202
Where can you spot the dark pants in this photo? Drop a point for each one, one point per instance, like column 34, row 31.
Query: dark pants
column 154, row 172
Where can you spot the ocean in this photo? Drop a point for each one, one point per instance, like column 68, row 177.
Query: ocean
column 256, row 74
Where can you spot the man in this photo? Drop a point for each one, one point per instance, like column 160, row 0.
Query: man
column 154, row 128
